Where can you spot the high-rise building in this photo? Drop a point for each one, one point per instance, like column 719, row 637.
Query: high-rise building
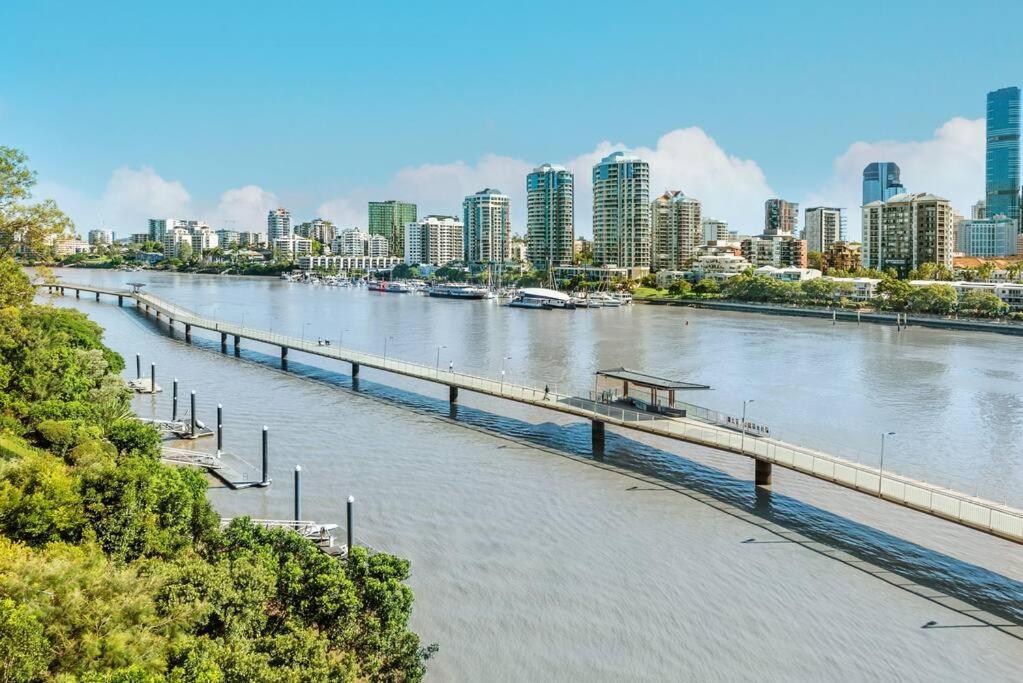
column 227, row 238
column 550, row 216
column 714, row 230
column 378, row 246
column 319, row 229
column 158, row 227
column 621, row 212
column 881, row 181
column 987, row 237
column 278, row 226
column 434, row 240
column 486, row 218
column 823, row 227
column 389, row 220
column 780, row 217
column 906, row 231
column 675, row 228
column 101, row 237
column 1003, row 175
column 978, row 210
column 204, row 239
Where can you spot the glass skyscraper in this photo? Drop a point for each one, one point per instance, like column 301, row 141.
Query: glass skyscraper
column 1003, row 153
column 389, row 220
column 881, row 182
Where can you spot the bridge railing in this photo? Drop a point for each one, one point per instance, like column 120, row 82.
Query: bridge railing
column 943, row 502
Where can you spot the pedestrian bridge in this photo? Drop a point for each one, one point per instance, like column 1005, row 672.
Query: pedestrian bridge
column 978, row 513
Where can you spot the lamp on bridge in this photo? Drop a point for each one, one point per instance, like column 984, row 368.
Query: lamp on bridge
column 880, row 469
column 742, row 440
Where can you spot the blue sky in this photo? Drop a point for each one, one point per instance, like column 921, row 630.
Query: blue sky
column 320, row 105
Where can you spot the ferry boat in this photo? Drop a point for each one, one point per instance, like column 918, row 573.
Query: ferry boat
column 457, row 291
column 376, row 286
column 540, row 298
column 398, row 287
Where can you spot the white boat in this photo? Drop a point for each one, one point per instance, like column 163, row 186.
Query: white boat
column 457, row 291
column 605, row 300
column 538, row 297
column 399, row 287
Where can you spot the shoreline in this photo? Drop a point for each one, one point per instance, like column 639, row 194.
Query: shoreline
column 877, row 318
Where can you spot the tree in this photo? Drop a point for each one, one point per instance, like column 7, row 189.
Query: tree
column 815, row 259
column 707, row 286
column 31, row 227
column 894, row 293
column 982, row 303
column 185, row 252
column 24, row 650
column 940, row 299
column 680, row 288
column 819, row 291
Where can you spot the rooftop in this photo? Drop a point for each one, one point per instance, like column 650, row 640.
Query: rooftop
column 646, row 380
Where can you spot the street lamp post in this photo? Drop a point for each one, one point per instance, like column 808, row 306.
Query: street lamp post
column 385, row 345
column 304, row 325
column 503, row 359
column 437, row 366
column 742, row 441
column 880, row 469
column 341, row 338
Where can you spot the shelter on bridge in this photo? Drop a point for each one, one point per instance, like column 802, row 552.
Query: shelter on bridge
column 632, row 385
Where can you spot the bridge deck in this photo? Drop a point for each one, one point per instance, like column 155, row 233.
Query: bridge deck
column 978, row 513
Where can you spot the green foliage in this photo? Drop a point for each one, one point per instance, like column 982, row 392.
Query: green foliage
column 707, row 286
column 24, row 225
column 113, row 568
column 940, row 299
column 17, row 290
column 982, row 304
column 680, row 288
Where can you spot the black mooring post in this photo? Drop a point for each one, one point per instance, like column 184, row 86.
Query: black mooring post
column 138, row 366
column 351, row 523
column 266, row 457
column 298, row 494
column 193, row 415
column 220, row 428
column 174, row 402
column 152, row 378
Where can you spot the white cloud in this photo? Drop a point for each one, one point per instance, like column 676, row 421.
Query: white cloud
column 949, row 164
column 132, row 196
column 243, row 208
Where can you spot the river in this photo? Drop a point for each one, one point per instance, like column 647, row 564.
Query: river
column 534, row 561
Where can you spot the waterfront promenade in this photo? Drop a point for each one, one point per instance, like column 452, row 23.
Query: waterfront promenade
column 971, row 511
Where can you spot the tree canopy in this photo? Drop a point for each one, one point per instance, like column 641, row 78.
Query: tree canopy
column 24, row 225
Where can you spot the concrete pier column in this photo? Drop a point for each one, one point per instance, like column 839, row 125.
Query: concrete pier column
column 355, row 369
column 223, row 342
column 763, row 473
column 453, row 394
column 97, row 296
column 188, row 333
column 597, row 435
column 120, row 300
column 284, row 357
column 78, row 294
column 265, row 480
column 237, row 345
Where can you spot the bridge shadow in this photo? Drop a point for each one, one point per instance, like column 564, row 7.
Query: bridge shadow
column 784, row 519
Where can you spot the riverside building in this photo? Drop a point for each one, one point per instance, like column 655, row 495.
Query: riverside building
column 987, row 237
column 319, row 229
column 676, row 229
column 278, row 225
column 434, row 240
column 907, row 231
column 1002, row 155
column 621, row 213
column 158, row 227
column 388, row 219
column 550, row 217
column 823, row 227
column 101, row 237
column 486, row 220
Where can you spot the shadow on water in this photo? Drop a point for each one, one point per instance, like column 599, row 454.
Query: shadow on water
column 980, row 587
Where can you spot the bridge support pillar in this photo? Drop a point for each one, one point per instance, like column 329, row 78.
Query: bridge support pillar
column 355, row 370
column 97, row 296
column 62, row 291
column 453, row 394
column 597, row 435
column 223, row 342
column 120, row 300
column 763, row 473
column 188, row 333
column 237, row 345
column 78, row 294
column 284, row 357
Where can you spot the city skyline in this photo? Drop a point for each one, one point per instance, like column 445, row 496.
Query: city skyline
column 159, row 163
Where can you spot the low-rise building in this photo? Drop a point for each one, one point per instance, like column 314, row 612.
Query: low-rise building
column 718, row 267
column 139, row 238
column 228, row 238
column 1010, row 293
column 789, row 273
column 64, row 248
column 843, row 256
column 863, row 288
column 204, row 239
column 986, row 237
column 252, row 240
column 780, row 251
column 173, row 238
column 293, row 247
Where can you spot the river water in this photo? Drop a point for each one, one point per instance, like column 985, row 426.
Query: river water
column 532, row 560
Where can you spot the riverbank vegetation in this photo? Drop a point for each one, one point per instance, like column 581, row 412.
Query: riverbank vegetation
column 114, row 567
column 893, row 295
